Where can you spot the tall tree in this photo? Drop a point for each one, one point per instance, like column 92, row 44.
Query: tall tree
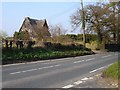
column 3, row 34
column 57, row 30
column 94, row 15
column 101, row 18
column 113, row 20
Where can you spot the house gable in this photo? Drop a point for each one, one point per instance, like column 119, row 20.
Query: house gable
column 34, row 27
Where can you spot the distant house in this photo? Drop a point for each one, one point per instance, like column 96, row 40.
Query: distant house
column 35, row 28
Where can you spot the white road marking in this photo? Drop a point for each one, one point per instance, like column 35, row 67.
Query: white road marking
column 84, row 60
column 78, row 82
column 101, row 68
column 57, row 65
column 109, row 64
column 106, row 56
column 35, row 69
column 90, row 59
column 68, row 86
column 79, row 61
column 29, row 70
column 47, row 67
column 16, row 72
column 90, row 77
column 96, row 70
column 84, row 79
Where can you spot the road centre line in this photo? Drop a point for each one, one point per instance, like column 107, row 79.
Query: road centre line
column 30, row 70
column 45, row 67
column 84, row 60
column 90, row 59
column 79, row 61
column 57, row 65
column 35, row 69
column 16, row 72
column 106, row 56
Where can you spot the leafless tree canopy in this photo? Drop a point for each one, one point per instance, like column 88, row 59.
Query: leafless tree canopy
column 100, row 18
column 57, row 30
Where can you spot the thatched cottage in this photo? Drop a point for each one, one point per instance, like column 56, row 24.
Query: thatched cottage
column 35, row 28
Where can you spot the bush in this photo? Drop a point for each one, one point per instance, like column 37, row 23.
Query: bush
column 55, row 51
column 47, row 44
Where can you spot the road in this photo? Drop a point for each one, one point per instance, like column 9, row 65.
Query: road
column 59, row 73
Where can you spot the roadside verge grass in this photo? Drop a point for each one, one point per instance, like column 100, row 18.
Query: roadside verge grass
column 113, row 71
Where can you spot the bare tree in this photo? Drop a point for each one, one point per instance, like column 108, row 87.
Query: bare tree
column 3, row 34
column 113, row 20
column 57, row 30
column 94, row 16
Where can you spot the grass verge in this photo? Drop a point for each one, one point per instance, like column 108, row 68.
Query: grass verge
column 113, row 71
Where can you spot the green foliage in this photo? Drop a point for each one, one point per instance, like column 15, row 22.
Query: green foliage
column 3, row 34
column 113, row 71
column 89, row 37
column 23, row 35
column 16, row 55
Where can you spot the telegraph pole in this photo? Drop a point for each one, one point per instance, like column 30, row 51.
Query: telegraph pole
column 83, row 24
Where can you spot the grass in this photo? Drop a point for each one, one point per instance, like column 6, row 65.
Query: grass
column 113, row 71
column 15, row 55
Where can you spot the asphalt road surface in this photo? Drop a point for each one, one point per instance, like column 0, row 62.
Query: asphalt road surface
column 57, row 73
